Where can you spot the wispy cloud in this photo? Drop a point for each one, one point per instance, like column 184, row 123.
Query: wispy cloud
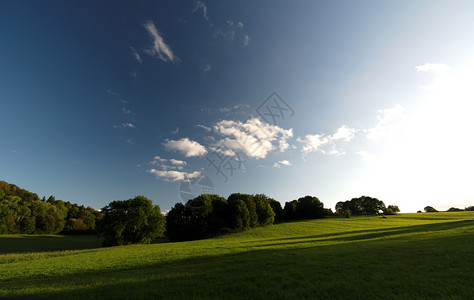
column 136, row 55
column 246, row 40
column 231, row 31
column 125, row 125
column 198, row 5
column 204, row 127
column 186, row 147
column 327, row 144
column 126, row 111
column 159, row 49
column 111, row 92
column 386, row 118
column 207, row 68
column 282, row 163
column 431, row 67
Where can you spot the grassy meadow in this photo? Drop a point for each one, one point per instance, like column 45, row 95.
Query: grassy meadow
column 408, row 256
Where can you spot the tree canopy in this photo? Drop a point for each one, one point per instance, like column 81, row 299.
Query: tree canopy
column 363, row 205
column 23, row 212
column 131, row 221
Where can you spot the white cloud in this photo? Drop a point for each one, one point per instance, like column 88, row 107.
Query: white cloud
column 387, row 121
column 366, row 156
column 282, row 163
column 126, row 111
column 327, row 144
column 430, row 67
column 125, row 125
column 223, row 150
column 240, row 24
column 253, row 137
column 173, row 175
column 344, row 133
column 185, row 146
column 160, row 49
column 176, row 131
column 204, row 127
column 136, row 55
column 246, row 40
column 128, row 125
column 177, row 162
column 159, row 159
column 198, row 5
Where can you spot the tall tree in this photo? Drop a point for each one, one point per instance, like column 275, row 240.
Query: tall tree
column 131, row 221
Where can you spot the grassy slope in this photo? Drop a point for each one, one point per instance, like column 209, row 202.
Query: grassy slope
column 405, row 256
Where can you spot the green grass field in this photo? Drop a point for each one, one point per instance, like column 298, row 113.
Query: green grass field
column 409, row 256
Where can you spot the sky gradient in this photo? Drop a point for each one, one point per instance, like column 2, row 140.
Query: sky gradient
column 106, row 100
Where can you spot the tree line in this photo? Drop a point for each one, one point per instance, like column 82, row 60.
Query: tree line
column 24, row 212
column 452, row 209
column 137, row 220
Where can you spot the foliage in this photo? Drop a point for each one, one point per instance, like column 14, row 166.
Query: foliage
column 363, row 205
column 469, row 208
column 210, row 215
column 133, row 221
column 277, row 209
column 391, row 210
column 430, row 209
column 452, row 209
column 23, row 212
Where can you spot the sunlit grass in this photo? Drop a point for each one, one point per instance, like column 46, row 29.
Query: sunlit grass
column 404, row 256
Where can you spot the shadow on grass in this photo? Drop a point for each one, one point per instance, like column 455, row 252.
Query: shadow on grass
column 347, row 271
column 371, row 233
column 43, row 243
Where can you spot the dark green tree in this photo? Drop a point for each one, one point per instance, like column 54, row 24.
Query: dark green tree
column 309, row 207
column 265, row 213
column 277, row 209
column 290, row 210
column 239, row 215
column 131, row 221
column 430, row 209
column 391, row 210
column 249, row 201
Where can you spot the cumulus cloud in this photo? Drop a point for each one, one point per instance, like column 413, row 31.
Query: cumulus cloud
column 186, row 147
column 327, row 144
column 159, row 49
column 173, row 175
column 177, row 162
column 255, row 138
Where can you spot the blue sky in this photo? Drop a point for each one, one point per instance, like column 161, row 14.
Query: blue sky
column 103, row 101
